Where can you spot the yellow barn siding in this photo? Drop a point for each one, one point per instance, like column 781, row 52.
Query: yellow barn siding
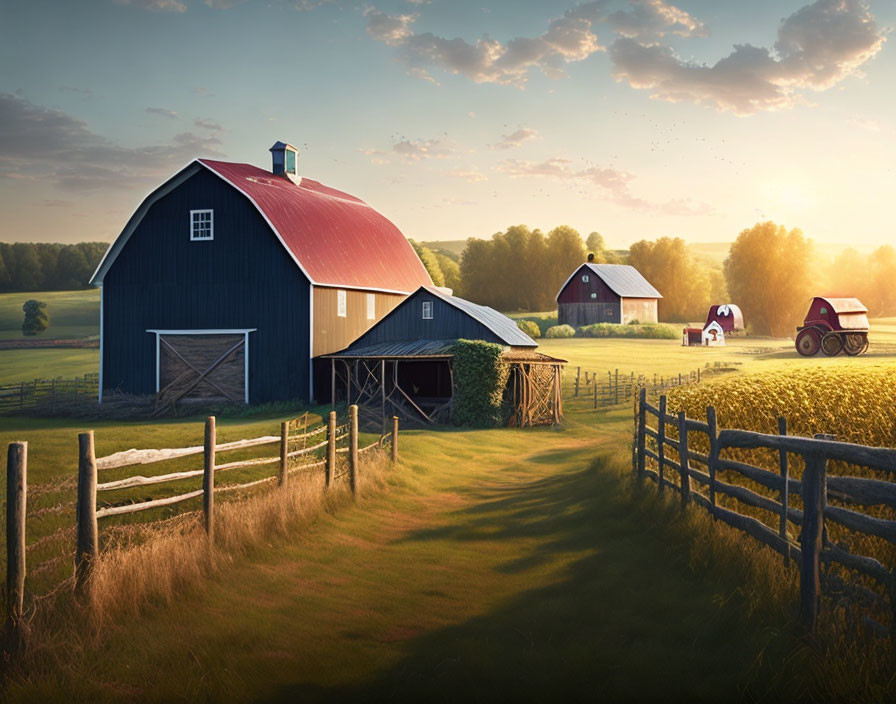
column 333, row 333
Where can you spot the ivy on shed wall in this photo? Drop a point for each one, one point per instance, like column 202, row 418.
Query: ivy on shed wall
column 480, row 376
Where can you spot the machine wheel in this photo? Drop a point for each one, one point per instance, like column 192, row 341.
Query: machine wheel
column 855, row 343
column 808, row 342
column 831, row 344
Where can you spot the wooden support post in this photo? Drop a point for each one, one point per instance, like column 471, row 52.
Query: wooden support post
column 284, row 453
column 813, row 490
column 683, row 459
column 332, row 384
column 331, row 448
column 617, row 387
column 785, row 492
column 595, row 393
column 642, row 435
column 679, row 379
column 578, row 376
column 383, row 393
column 698, row 375
column 713, row 457
column 353, row 449
column 394, row 439
column 661, row 443
column 208, row 479
column 16, row 496
column 88, row 541
column 587, row 379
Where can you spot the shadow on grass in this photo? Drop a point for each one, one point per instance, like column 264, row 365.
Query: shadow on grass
column 623, row 616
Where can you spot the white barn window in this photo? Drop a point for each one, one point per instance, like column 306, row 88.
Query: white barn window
column 340, row 303
column 427, row 310
column 585, row 278
column 371, row 306
column 202, row 225
column 594, row 295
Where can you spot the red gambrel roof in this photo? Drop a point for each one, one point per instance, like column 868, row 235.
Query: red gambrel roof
column 335, row 238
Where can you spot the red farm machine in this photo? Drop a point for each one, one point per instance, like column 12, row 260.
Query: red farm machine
column 834, row 325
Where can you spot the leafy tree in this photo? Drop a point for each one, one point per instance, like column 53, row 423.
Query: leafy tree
column 566, row 253
column 882, row 293
column 430, row 261
column 72, row 269
column 595, row 245
column 450, row 271
column 767, row 272
column 25, row 267
column 36, row 318
column 681, row 278
column 529, row 327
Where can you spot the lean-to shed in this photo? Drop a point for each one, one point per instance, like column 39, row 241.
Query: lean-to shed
column 403, row 364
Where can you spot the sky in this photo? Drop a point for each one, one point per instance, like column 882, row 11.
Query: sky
column 634, row 118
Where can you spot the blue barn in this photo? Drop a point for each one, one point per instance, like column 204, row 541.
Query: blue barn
column 229, row 279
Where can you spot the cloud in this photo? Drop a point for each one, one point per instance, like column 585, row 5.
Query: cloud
column 164, row 112
column 223, row 4
column 159, row 5
column 654, row 19
column 204, row 92
column 567, row 39
column 469, row 175
column 817, row 46
column 389, row 29
column 514, row 140
column 411, row 150
column 86, row 92
column 612, row 183
column 487, row 60
column 56, row 147
column 208, row 124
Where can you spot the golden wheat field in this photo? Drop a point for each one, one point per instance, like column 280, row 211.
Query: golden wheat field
column 854, row 405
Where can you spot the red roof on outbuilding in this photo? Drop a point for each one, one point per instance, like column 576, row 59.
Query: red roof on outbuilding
column 335, row 238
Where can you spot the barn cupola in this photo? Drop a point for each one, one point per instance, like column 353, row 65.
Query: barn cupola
column 285, row 158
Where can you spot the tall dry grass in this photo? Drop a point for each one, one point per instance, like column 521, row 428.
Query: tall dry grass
column 144, row 566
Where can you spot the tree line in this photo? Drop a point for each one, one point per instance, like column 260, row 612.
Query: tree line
column 48, row 266
column 771, row 272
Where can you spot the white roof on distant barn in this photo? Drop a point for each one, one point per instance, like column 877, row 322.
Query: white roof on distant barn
column 624, row 280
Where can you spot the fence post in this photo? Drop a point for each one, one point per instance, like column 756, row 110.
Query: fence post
column 617, row 387
column 353, row 449
column 578, row 376
column 594, row 390
column 394, row 439
column 698, row 375
column 713, row 457
column 785, row 488
column 16, row 496
column 642, row 423
column 284, row 452
column 331, row 448
column 683, row 459
column 86, row 512
column 812, row 491
column 208, row 478
column 661, row 443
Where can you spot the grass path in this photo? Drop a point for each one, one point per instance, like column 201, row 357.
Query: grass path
column 495, row 565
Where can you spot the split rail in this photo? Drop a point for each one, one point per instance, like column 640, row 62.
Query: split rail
column 695, row 476
column 300, row 450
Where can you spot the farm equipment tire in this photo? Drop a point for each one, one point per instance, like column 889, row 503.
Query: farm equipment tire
column 808, row 342
column 831, row 344
column 855, row 343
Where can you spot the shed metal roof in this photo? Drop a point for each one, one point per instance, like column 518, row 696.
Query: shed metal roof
column 335, row 239
column 624, row 280
column 498, row 323
column 433, row 349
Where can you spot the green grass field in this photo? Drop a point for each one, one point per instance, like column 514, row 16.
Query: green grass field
column 493, row 564
column 72, row 313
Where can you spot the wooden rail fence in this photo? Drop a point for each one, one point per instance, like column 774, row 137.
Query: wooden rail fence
column 297, row 444
column 693, row 472
column 615, row 388
column 47, row 393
